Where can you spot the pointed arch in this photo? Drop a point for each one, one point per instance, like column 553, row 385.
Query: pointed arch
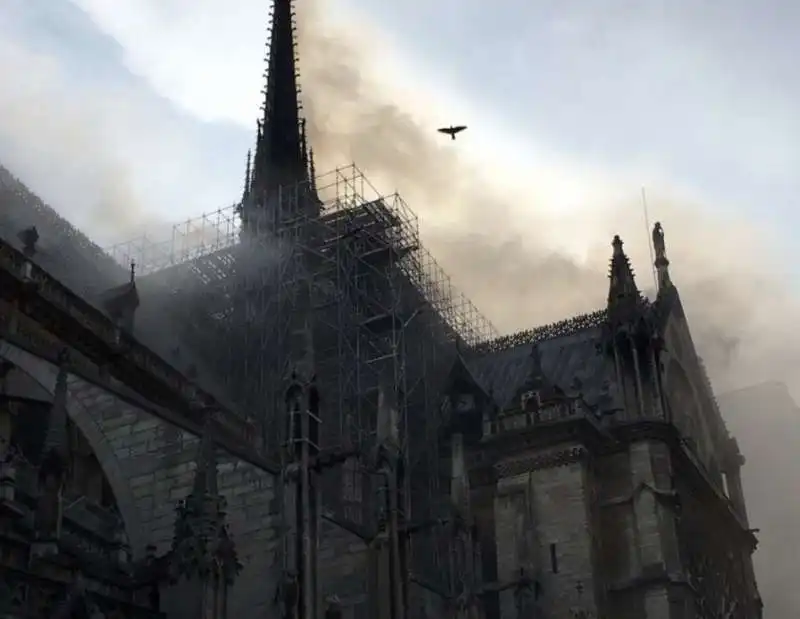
column 43, row 373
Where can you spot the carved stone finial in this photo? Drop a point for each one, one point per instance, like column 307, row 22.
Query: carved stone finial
column 29, row 238
column 661, row 262
column 201, row 544
column 53, row 469
column 625, row 303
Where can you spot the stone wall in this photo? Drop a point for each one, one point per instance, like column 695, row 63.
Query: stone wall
column 599, row 532
column 150, row 467
column 346, row 570
column 543, row 511
column 636, row 530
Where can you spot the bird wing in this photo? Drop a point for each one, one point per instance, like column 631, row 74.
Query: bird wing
column 446, row 130
column 459, row 128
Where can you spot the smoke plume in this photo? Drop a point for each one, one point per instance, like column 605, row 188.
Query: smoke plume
column 740, row 310
column 62, row 142
column 502, row 245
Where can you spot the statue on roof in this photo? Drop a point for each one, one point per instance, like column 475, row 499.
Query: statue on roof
column 658, row 241
column 661, row 261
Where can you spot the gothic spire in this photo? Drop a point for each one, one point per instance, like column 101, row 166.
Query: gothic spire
column 201, row 542
column 312, row 172
column 280, row 148
column 54, row 449
column 247, row 176
column 53, row 470
column 303, row 143
column 623, row 294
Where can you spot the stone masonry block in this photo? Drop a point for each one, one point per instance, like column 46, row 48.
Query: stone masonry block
column 555, row 502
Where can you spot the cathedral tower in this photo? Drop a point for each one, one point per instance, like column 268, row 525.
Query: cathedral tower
column 279, row 178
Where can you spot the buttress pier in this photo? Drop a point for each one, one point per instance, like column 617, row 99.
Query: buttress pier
column 600, row 465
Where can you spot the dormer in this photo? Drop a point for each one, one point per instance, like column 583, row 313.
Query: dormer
column 530, row 400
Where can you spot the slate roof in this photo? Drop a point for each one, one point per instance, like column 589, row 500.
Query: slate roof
column 62, row 249
column 571, row 361
column 568, row 349
column 72, row 258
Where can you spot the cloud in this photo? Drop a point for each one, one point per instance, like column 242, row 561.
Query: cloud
column 111, row 155
column 35, row 137
column 504, row 249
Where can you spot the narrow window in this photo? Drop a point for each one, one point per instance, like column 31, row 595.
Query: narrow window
column 553, row 559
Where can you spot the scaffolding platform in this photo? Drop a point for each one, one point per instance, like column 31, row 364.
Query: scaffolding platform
column 351, row 207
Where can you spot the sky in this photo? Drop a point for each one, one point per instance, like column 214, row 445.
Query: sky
column 704, row 90
column 126, row 116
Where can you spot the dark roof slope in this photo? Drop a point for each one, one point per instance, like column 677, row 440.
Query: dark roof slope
column 72, row 258
column 63, row 250
column 569, row 352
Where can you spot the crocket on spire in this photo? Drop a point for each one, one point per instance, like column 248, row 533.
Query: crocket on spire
column 281, row 154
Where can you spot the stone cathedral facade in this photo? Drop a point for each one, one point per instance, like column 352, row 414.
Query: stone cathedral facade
column 599, row 465
column 586, row 469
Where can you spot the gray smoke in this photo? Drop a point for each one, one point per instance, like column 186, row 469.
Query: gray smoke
column 67, row 146
column 65, row 143
column 740, row 310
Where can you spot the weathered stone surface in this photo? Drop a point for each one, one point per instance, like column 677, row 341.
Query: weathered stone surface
column 150, row 467
column 547, row 511
column 345, row 569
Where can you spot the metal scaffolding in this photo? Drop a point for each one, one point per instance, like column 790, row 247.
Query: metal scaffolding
column 383, row 315
column 341, row 190
column 236, row 308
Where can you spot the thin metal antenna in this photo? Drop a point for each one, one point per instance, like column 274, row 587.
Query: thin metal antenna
column 649, row 238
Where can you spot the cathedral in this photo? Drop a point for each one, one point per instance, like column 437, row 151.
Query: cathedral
column 298, row 424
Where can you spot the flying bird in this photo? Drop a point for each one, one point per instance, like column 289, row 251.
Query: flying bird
column 452, row 131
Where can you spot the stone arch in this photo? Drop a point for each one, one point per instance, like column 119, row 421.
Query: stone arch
column 44, row 374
